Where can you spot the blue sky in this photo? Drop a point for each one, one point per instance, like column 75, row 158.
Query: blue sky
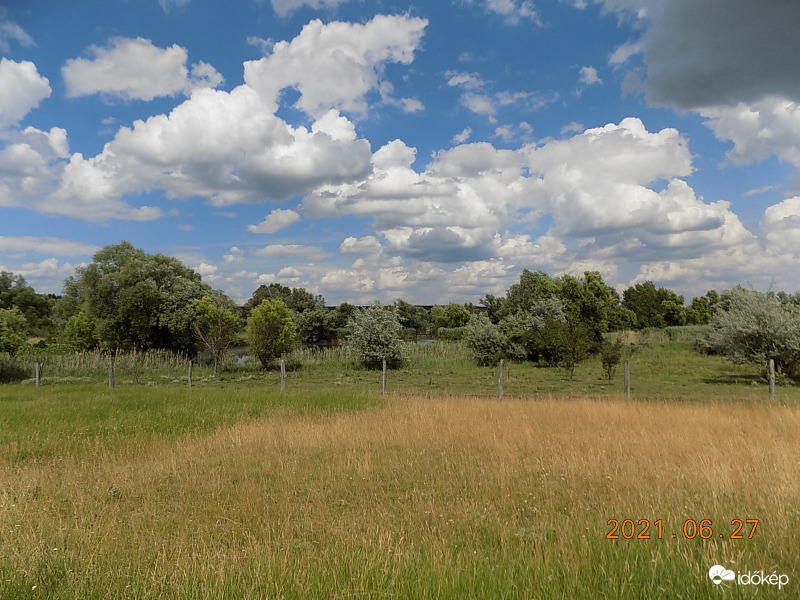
column 374, row 149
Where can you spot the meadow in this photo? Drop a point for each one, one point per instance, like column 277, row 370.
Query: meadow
column 233, row 489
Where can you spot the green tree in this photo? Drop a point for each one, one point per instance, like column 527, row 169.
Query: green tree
column 215, row 327
column 376, row 336
column 79, row 332
column 13, row 326
column 754, row 327
column 412, row 317
column 137, row 300
column 452, row 315
column 485, row 340
column 315, row 325
column 36, row 308
column 270, row 330
column 297, row 299
column 654, row 307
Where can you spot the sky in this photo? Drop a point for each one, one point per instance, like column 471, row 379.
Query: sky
column 378, row 149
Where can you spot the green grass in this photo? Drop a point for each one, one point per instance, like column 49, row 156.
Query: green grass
column 233, row 489
column 659, row 369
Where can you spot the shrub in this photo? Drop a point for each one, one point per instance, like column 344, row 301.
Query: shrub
column 270, row 330
column 610, row 356
column 376, row 337
column 485, row 340
column 12, row 372
column 451, row 333
column 754, row 327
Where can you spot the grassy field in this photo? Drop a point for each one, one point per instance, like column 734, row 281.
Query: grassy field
column 235, row 490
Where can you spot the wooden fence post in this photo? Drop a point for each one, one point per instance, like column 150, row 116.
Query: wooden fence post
column 501, row 379
column 627, row 380
column 772, row 379
column 283, row 374
column 191, row 364
column 111, row 373
column 383, row 378
column 38, row 373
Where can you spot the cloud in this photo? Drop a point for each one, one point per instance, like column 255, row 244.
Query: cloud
column 284, row 7
column 469, row 81
column 368, row 244
column 24, row 244
column 11, row 32
column 770, row 126
column 462, row 137
column 781, row 226
column 167, row 4
column 235, row 255
column 21, row 90
column 293, row 251
column 514, row 10
column 135, row 69
column 335, row 65
column 589, row 76
column 46, row 276
column 275, row 221
column 716, row 52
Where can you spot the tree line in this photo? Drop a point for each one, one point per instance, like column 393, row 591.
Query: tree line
column 127, row 299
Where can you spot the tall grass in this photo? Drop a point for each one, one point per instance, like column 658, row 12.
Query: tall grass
column 417, row 498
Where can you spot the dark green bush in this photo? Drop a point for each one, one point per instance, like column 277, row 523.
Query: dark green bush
column 11, row 371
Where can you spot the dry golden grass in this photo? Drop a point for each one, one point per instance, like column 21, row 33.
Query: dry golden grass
column 419, row 497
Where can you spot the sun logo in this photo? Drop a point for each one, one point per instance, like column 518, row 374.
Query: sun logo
column 719, row 574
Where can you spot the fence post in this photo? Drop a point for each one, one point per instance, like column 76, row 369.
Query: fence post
column 501, row 379
column 111, row 373
column 283, row 374
column 191, row 364
column 38, row 373
column 383, row 378
column 627, row 380
column 772, row 379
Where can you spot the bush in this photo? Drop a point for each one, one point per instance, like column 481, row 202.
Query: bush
column 451, row 333
column 754, row 327
column 270, row 330
column 376, row 337
column 610, row 356
column 12, row 372
column 485, row 340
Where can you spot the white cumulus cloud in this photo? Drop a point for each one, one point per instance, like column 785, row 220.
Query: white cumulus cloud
column 275, row 221
column 136, row 69
column 21, row 90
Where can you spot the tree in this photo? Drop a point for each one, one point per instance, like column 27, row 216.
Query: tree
column 79, row 332
column 754, row 327
column 316, row 325
column 215, row 327
column 452, row 315
column 16, row 293
column 485, row 340
column 376, row 336
column 610, row 356
column 410, row 316
column 270, row 330
column 494, row 307
column 137, row 300
column 297, row 299
column 12, row 330
column 654, row 307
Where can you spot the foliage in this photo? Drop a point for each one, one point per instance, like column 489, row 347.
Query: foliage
column 521, row 330
column 298, row 300
column 316, row 325
column 452, row 315
column 622, row 319
column 376, row 336
column 137, row 300
column 215, row 327
column 610, row 356
column 16, row 293
column 11, row 371
column 342, row 315
column 270, row 330
column 654, row 307
column 494, row 307
column 79, row 332
column 754, row 327
column 412, row 317
column 451, row 333
column 485, row 340
column 12, row 330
